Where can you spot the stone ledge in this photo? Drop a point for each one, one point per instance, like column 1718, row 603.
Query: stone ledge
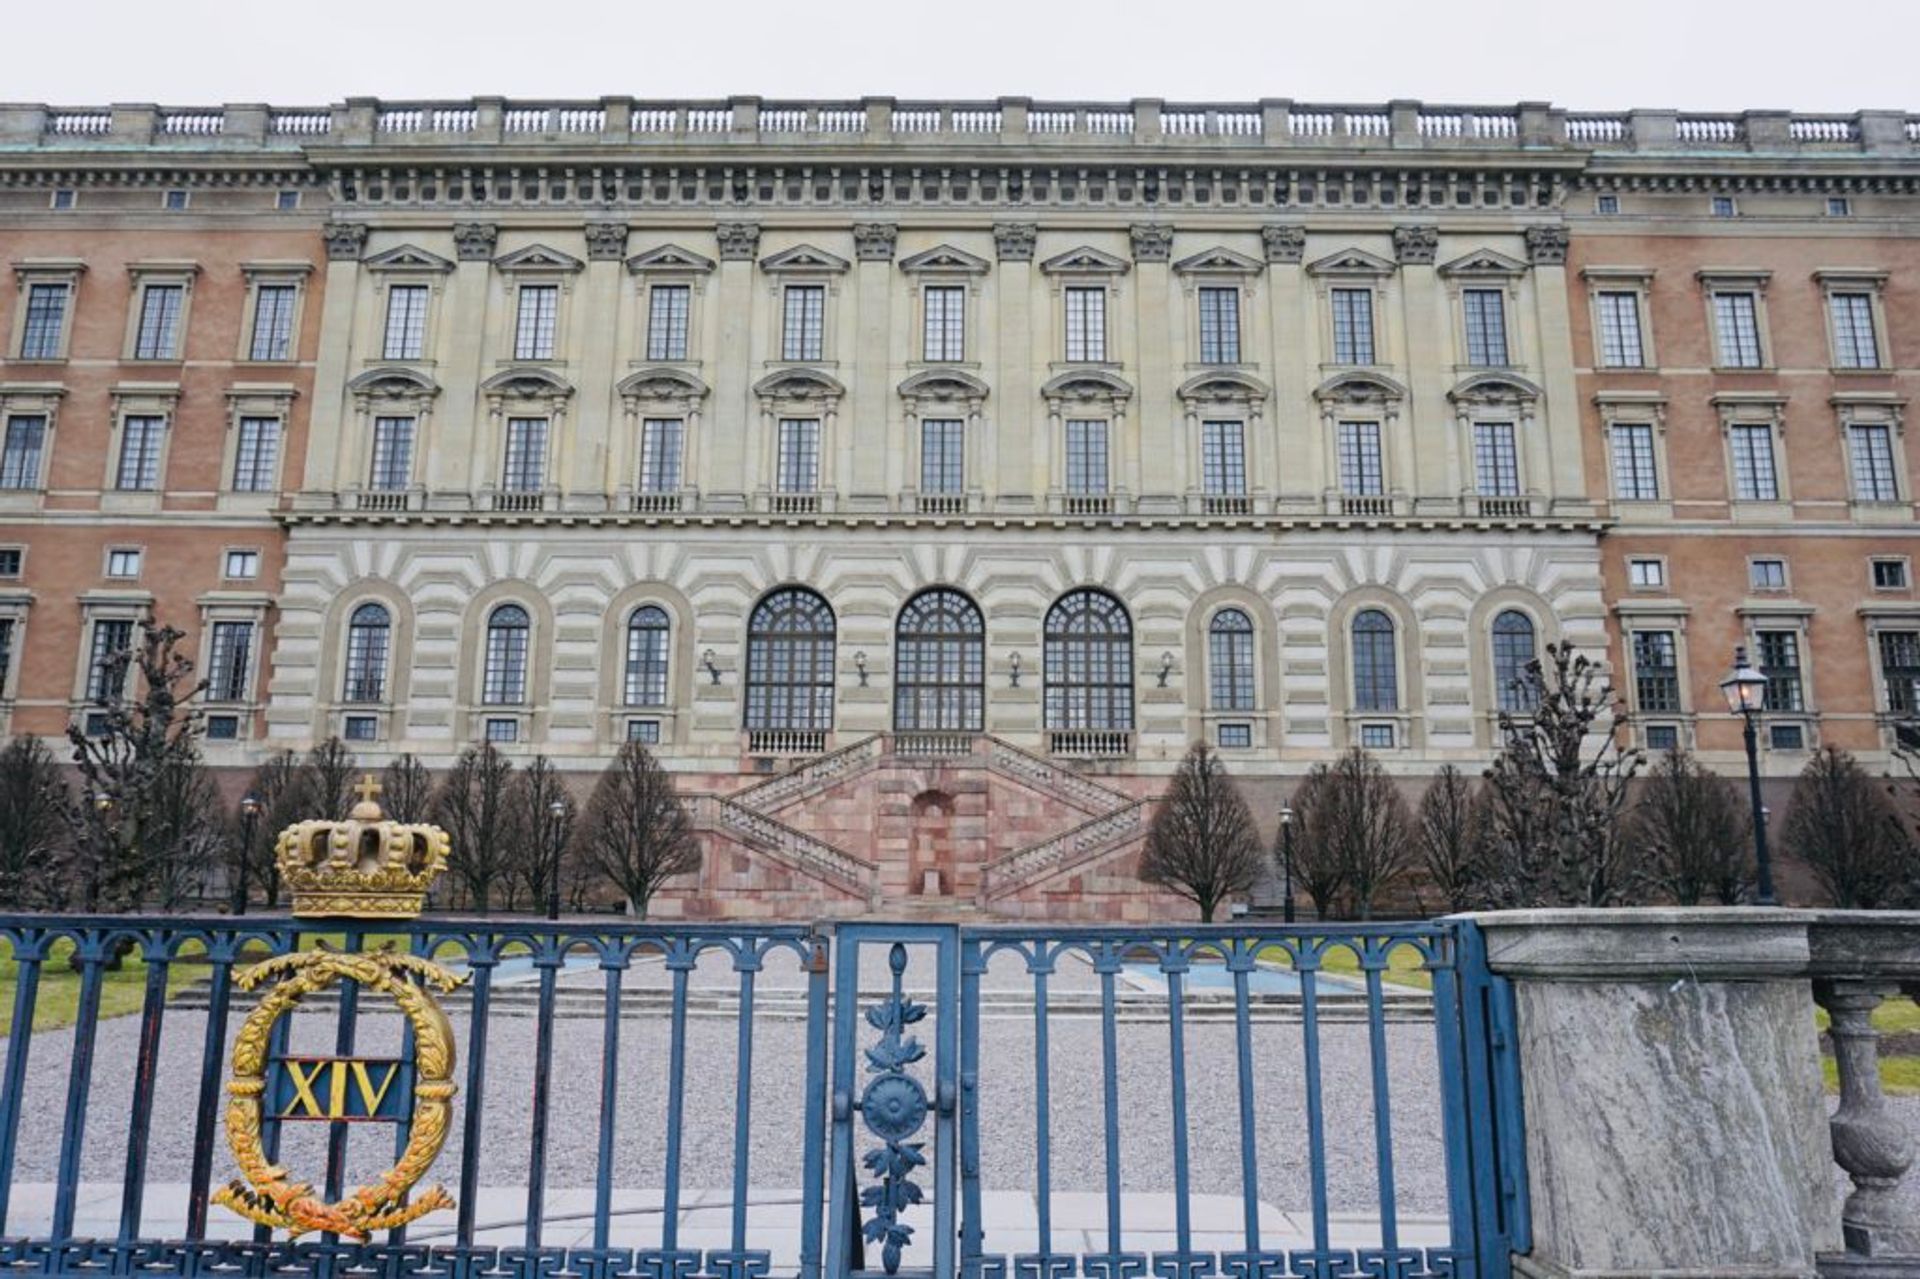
column 1723, row 943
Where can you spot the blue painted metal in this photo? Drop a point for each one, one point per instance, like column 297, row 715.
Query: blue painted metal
column 893, row 1082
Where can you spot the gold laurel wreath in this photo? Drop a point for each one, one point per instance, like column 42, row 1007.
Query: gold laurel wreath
column 266, row 1196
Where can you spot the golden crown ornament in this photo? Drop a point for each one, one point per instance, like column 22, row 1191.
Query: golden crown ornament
column 366, row 867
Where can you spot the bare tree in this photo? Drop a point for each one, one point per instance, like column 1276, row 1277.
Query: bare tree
column 33, row 797
column 330, row 777
column 1355, row 838
column 636, row 833
column 1450, row 825
column 1844, row 827
column 540, row 849
column 1203, row 845
column 1558, row 791
column 1694, row 832
column 472, row 805
column 281, row 784
column 135, row 751
column 406, row 789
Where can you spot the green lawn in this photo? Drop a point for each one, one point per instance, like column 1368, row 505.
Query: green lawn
column 1899, row 1072
column 58, row 1002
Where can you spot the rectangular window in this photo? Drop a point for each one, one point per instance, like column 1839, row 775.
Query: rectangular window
column 392, row 454
column 286, row 200
column 803, row 322
column 1786, row 737
column 1219, row 326
column 502, row 731
column 533, row 325
column 1656, row 672
column 1870, row 449
column 159, row 322
column 943, row 443
column 1900, row 670
column 140, row 440
column 1838, row 206
column 1496, row 462
column 1620, row 345
column 525, row 469
column 406, row 332
column 1722, row 206
column 1634, row 478
column 11, row 559
column 123, row 562
column 20, row 453
column 660, row 440
column 229, row 661
column 256, row 454
column 1780, row 662
column 111, row 635
column 46, row 322
column 1086, row 456
column 361, row 728
column 1360, row 472
column 1754, row 479
column 223, row 728
column 1767, row 575
column 1086, row 325
column 944, row 338
column 272, row 322
column 644, row 731
column 1737, row 317
column 1236, row 736
column 667, row 321
column 175, row 201
column 241, row 566
column 6, row 651
column 65, row 199
column 1223, row 459
column 1353, row 326
column 1855, row 345
column 1608, row 204
column 1486, row 326
column 1376, row 737
column 1663, row 737
column 1647, row 574
column 1889, row 575
column 799, row 455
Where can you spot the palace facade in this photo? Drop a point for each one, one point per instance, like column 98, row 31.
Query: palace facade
column 918, row 481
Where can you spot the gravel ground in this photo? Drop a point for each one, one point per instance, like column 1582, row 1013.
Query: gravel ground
column 777, row 1102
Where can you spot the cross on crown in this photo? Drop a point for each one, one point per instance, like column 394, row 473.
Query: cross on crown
column 369, row 788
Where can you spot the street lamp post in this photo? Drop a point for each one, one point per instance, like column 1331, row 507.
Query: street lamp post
column 1746, row 693
column 249, row 818
column 556, row 812
column 1286, row 862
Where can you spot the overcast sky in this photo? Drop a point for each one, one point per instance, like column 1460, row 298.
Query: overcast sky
column 1596, row 55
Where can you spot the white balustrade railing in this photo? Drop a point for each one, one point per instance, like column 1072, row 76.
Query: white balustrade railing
column 916, row 120
column 804, row 778
column 786, row 741
column 1822, row 129
column 79, row 123
column 1038, row 771
column 655, row 119
column 975, row 121
column 1707, row 130
column 454, row 119
column 307, row 123
column 843, row 120
column 1311, row 124
column 1110, row 123
column 915, row 745
column 1366, row 504
column 783, row 119
column 1597, row 128
column 1090, row 743
column 709, row 119
column 1049, row 121
column 198, row 124
column 400, row 121
column 1369, row 124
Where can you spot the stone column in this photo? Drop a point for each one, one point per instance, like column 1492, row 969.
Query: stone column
column 1557, row 432
column 1424, row 338
column 596, row 413
column 1675, row 1117
column 859, row 469
column 460, row 458
column 330, row 455
column 727, row 472
column 1157, row 437
column 1022, row 471
column 1295, row 464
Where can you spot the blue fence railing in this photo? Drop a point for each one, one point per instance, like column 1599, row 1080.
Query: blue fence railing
column 679, row 1101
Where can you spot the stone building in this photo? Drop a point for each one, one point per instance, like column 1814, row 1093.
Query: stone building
column 919, row 480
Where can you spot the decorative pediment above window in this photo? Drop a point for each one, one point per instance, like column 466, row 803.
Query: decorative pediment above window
column 1735, row 278
column 1223, row 386
column 407, row 257
column 670, row 257
column 1494, row 388
column 537, row 257
column 1087, row 386
column 393, row 383
column 803, row 257
column 1485, row 264
column 46, row 270
column 1219, row 261
column 663, row 384
column 1859, row 279
column 799, row 384
column 943, row 258
column 1359, row 388
column 1085, row 260
column 527, row 384
column 944, row 386
column 1352, row 262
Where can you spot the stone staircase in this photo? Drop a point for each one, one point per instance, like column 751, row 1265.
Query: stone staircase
column 811, row 856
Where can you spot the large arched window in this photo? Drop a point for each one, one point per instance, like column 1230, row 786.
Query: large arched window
column 1089, row 662
column 504, row 682
column 940, row 656
column 1376, row 677
column 790, row 662
column 1513, row 686
column 646, row 675
column 1230, row 660
column 369, row 631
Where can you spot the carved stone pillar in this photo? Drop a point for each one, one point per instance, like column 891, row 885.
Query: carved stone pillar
column 1869, row 1140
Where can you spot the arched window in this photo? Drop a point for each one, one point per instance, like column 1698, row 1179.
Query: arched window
column 368, row 632
column 1513, row 686
column 1089, row 662
column 1376, row 678
column 940, row 657
column 646, row 682
column 1230, row 660
column 505, row 679
column 790, row 662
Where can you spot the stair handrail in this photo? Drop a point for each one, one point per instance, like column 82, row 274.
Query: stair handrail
column 783, row 789
column 812, row 854
column 1061, row 852
column 1083, row 792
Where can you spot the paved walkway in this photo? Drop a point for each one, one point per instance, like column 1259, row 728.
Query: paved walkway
column 773, row 1215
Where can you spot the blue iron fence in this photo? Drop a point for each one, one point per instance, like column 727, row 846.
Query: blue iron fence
column 875, row 1041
